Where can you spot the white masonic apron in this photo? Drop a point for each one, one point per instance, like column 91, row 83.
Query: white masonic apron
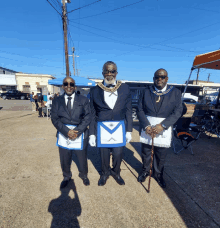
column 161, row 140
column 69, row 144
column 111, row 134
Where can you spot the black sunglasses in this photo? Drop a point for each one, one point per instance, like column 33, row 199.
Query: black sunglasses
column 71, row 84
column 162, row 77
column 110, row 71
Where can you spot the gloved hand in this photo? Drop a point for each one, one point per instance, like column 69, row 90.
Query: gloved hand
column 128, row 137
column 92, row 140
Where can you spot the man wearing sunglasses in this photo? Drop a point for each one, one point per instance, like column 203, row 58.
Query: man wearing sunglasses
column 159, row 107
column 111, row 124
column 70, row 114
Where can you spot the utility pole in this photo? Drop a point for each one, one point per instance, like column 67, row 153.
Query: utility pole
column 208, row 78
column 78, row 72
column 74, row 69
column 197, row 76
column 64, row 18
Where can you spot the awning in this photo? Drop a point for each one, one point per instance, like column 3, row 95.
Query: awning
column 210, row 60
column 7, row 79
column 80, row 82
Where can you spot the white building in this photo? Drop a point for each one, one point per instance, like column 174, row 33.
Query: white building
column 37, row 83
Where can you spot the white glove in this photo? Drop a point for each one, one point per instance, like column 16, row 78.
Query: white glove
column 128, row 137
column 92, row 140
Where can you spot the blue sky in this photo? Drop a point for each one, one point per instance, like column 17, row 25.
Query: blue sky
column 139, row 38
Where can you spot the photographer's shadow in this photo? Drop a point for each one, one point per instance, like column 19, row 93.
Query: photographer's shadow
column 64, row 209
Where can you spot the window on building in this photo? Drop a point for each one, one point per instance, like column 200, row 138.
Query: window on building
column 26, row 88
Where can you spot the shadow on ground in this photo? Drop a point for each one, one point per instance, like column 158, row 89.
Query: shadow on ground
column 193, row 184
column 65, row 209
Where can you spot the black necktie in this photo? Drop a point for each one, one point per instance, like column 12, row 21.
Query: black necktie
column 110, row 85
column 69, row 104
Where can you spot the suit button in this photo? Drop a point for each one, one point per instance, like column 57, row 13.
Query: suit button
column 71, row 121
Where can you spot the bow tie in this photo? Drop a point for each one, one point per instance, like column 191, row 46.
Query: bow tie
column 109, row 86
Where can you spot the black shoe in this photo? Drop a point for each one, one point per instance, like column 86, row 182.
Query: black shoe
column 40, row 116
column 102, row 180
column 86, row 181
column 64, row 183
column 160, row 181
column 118, row 179
column 142, row 177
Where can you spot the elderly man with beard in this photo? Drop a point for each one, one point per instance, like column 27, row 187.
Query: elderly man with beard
column 111, row 125
column 70, row 115
column 159, row 108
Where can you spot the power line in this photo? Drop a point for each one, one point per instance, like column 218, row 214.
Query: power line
column 28, row 63
column 95, row 28
column 205, row 9
column 118, row 41
column 59, row 3
column 84, row 6
column 188, row 33
column 56, row 3
column 111, row 10
column 23, row 55
column 120, row 35
column 54, row 7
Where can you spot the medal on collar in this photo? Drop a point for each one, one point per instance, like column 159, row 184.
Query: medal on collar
column 160, row 93
column 111, row 90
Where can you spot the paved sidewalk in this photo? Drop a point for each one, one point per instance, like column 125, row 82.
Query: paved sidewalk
column 30, row 177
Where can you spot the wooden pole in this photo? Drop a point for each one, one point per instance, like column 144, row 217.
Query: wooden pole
column 197, row 78
column 74, row 69
column 64, row 17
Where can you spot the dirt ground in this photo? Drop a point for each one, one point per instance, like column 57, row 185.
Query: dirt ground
column 30, row 176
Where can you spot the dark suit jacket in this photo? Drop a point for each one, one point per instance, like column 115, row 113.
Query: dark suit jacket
column 170, row 109
column 102, row 112
column 80, row 114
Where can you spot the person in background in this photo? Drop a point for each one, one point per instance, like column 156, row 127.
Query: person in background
column 40, row 104
column 33, row 102
column 35, row 99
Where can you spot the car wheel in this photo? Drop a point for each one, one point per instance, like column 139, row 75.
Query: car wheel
column 22, row 97
column 4, row 97
column 134, row 114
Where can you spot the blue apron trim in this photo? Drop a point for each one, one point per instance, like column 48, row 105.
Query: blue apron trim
column 82, row 136
column 121, row 123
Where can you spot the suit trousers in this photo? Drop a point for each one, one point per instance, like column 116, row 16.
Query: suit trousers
column 66, row 160
column 117, row 156
column 160, row 154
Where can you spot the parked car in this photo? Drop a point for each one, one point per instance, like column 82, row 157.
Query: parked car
column 189, row 100
column 15, row 94
column 135, row 94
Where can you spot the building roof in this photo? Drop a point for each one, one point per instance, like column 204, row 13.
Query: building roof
column 12, row 71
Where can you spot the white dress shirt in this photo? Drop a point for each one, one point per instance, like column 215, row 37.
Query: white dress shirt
column 72, row 100
column 110, row 98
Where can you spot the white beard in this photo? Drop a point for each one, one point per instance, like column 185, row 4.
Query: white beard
column 109, row 82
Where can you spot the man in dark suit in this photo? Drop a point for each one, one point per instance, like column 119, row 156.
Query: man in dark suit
column 71, row 109
column 159, row 108
column 110, row 103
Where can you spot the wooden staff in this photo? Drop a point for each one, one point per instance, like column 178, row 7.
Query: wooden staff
column 151, row 164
